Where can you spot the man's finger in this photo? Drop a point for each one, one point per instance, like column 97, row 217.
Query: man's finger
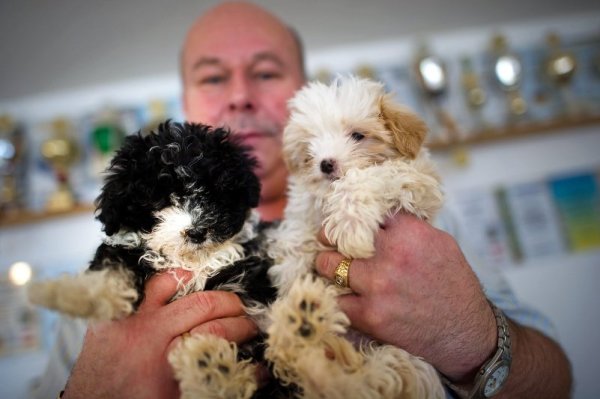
column 328, row 261
column 323, row 238
column 160, row 288
column 233, row 329
column 354, row 307
column 200, row 307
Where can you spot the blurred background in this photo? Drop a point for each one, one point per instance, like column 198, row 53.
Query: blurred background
column 511, row 92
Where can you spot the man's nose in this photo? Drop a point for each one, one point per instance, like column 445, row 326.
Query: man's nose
column 241, row 97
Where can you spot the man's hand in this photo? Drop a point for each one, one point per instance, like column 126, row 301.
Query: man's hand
column 128, row 358
column 419, row 293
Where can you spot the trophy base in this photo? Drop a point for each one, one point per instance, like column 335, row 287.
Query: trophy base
column 60, row 201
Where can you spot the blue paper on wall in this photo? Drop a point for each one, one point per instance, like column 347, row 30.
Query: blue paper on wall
column 578, row 201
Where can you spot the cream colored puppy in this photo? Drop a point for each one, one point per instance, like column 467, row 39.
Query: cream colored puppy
column 355, row 157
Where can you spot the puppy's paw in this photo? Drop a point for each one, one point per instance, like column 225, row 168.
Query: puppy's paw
column 302, row 322
column 353, row 238
column 99, row 295
column 356, row 246
column 396, row 373
column 308, row 312
column 206, row 366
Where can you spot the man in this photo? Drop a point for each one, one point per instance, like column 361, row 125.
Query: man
column 239, row 66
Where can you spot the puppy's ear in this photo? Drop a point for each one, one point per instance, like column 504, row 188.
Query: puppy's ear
column 107, row 214
column 295, row 151
column 408, row 130
column 108, row 206
column 126, row 196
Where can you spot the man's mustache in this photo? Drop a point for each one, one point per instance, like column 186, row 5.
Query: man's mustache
column 244, row 124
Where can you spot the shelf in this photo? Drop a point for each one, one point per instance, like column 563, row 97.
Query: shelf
column 26, row 217
column 517, row 131
column 487, row 136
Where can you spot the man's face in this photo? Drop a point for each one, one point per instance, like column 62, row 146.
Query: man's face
column 241, row 76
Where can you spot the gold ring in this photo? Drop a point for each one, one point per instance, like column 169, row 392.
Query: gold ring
column 341, row 273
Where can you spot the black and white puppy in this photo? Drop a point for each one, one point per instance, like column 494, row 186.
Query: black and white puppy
column 181, row 197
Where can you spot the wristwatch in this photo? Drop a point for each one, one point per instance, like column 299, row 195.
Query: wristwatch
column 492, row 376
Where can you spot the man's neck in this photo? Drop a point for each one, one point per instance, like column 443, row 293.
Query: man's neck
column 272, row 210
column 273, row 196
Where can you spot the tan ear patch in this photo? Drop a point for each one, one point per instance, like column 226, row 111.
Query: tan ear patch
column 408, row 130
column 295, row 149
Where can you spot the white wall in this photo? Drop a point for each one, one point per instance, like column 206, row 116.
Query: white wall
column 566, row 289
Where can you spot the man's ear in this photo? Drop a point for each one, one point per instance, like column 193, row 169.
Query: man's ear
column 407, row 129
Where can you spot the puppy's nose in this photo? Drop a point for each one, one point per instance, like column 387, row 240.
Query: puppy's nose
column 306, row 329
column 196, row 235
column 327, row 166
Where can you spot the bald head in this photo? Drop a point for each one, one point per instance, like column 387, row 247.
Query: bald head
column 237, row 18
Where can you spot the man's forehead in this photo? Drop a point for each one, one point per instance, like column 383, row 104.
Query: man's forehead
column 241, row 41
column 249, row 60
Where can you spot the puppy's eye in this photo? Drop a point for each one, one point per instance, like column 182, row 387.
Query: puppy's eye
column 357, row 136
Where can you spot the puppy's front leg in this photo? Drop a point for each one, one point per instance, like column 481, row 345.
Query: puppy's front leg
column 353, row 212
column 302, row 322
column 106, row 294
column 359, row 203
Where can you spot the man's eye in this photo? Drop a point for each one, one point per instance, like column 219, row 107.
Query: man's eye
column 266, row 75
column 212, row 80
column 357, row 136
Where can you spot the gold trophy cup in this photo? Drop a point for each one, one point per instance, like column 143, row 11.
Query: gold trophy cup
column 508, row 73
column 561, row 66
column 61, row 151
column 474, row 93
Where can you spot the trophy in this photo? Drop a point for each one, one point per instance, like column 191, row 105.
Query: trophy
column 560, row 69
column 107, row 136
column 433, row 82
column 323, row 75
column 157, row 113
column 508, row 74
column 61, row 152
column 475, row 95
column 12, row 165
column 366, row 71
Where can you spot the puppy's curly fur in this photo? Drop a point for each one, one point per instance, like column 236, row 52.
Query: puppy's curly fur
column 355, row 157
column 182, row 197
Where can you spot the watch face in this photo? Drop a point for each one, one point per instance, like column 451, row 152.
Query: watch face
column 496, row 381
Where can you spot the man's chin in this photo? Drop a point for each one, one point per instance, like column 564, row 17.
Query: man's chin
column 252, row 139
